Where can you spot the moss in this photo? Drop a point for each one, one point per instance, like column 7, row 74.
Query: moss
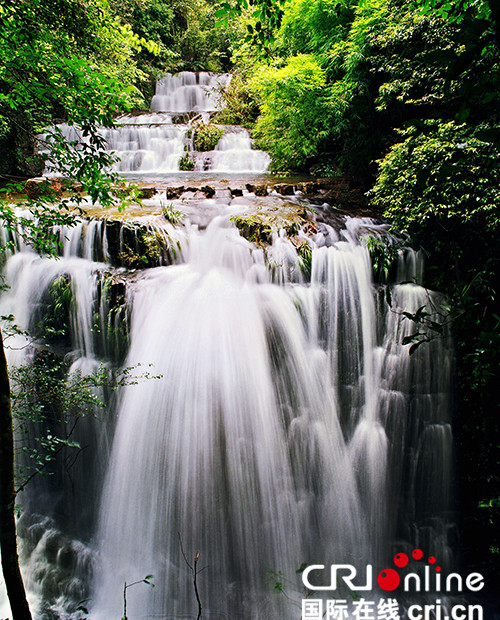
column 253, row 228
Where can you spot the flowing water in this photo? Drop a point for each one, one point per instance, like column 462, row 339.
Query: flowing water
column 285, row 424
column 156, row 142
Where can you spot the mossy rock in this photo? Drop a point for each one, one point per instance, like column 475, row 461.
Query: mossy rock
column 262, row 221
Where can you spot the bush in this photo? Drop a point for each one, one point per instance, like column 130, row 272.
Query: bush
column 186, row 163
column 441, row 171
column 295, row 111
column 206, row 136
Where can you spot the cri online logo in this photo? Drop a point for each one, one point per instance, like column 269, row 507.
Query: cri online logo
column 389, row 579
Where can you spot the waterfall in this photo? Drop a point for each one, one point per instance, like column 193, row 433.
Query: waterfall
column 188, row 92
column 287, row 424
column 156, row 142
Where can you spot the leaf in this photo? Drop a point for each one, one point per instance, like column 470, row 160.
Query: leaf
column 435, row 326
column 419, row 314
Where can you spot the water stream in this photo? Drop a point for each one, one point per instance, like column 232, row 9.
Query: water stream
column 287, row 424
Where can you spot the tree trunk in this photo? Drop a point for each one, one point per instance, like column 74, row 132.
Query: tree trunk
column 8, row 542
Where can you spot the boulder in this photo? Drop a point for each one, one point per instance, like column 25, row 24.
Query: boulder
column 146, row 192
column 285, row 189
column 173, row 193
column 208, row 191
column 307, row 187
column 258, row 190
column 38, row 186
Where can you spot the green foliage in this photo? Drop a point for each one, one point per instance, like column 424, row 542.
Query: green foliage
column 295, row 111
column 264, row 18
column 60, row 57
column 186, row 163
column 48, row 403
column 305, row 259
column 171, row 214
column 313, row 27
column 43, row 396
column 383, row 255
column 206, row 136
column 183, row 32
column 56, row 322
column 239, row 101
column 442, row 171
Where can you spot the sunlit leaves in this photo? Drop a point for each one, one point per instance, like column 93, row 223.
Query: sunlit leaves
column 442, row 171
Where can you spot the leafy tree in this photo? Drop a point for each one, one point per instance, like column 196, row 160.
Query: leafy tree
column 295, row 111
column 442, row 172
column 183, row 31
column 58, row 59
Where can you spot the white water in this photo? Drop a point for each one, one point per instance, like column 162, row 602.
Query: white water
column 153, row 143
column 188, row 92
column 290, row 426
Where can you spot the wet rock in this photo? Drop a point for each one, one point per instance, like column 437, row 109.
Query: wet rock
column 260, row 223
column 173, row 193
column 146, row 192
column 39, row 186
column 285, row 189
column 113, row 228
column 307, row 187
column 258, row 190
column 208, row 191
column 236, row 191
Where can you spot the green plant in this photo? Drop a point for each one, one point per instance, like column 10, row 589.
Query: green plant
column 126, row 586
column 295, row 111
column 383, row 254
column 186, row 162
column 56, row 321
column 171, row 214
column 443, row 172
column 207, row 136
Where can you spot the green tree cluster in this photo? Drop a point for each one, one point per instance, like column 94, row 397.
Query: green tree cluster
column 60, row 60
column 404, row 95
column 183, row 33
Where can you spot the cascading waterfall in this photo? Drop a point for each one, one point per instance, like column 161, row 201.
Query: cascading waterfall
column 265, row 444
column 188, row 92
column 154, row 143
column 289, row 426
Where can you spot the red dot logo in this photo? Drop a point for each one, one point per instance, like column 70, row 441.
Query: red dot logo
column 401, row 560
column 438, row 569
column 417, row 554
column 388, row 579
column 432, row 560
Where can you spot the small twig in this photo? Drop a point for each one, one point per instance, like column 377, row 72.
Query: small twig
column 195, row 572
